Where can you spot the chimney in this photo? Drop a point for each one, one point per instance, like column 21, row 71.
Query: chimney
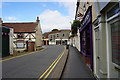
column 1, row 21
column 37, row 19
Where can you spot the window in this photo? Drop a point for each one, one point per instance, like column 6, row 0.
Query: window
column 20, row 35
column 115, row 41
column 63, row 35
column 84, row 7
column 20, row 44
column 50, row 39
column 57, row 35
column 83, row 42
column 51, row 36
column 113, row 11
column 43, row 37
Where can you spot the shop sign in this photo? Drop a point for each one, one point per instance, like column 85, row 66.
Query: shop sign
column 85, row 20
column 87, row 17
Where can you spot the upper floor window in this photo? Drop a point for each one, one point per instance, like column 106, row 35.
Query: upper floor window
column 63, row 35
column 54, row 36
column 51, row 36
column 57, row 35
column 20, row 35
column 113, row 11
column 43, row 37
column 84, row 7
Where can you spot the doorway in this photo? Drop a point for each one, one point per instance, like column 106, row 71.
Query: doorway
column 97, row 42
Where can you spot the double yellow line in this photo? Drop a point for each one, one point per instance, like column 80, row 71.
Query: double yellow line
column 51, row 67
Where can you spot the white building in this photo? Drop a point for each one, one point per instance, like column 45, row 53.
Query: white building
column 59, row 37
column 106, row 41
column 27, row 36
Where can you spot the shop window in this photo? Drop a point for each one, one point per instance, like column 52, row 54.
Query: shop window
column 87, row 41
column 115, row 41
column 83, row 42
column 20, row 35
column 113, row 11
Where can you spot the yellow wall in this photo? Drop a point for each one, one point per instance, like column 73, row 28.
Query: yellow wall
column 82, row 2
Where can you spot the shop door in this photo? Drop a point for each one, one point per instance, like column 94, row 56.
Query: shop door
column 98, row 62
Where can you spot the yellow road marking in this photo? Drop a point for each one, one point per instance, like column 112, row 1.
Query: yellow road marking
column 56, row 61
column 53, row 66
column 20, row 55
column 49, row 68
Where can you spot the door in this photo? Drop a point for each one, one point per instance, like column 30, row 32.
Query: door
column 97, row 42
column 26, row 45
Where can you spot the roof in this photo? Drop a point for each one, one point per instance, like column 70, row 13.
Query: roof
column 46, row 34
column 21, row 27
column 58, row 31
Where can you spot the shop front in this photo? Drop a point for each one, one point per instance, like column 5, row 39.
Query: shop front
column 86, row 41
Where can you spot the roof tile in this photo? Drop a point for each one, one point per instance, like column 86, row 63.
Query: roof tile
column 21, row 27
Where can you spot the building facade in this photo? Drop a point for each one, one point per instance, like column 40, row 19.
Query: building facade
column 60, row 37
column 99, row 36
column 27, row 36
column 45, row 38
column 106, row 37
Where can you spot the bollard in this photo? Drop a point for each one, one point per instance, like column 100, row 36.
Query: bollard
column 67, row 46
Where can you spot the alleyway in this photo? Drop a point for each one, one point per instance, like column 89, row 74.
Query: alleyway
column 75, row 66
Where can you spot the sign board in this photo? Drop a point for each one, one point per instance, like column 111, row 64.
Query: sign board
column 20, row 44
column 87, row 19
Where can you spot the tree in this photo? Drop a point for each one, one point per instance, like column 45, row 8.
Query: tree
column 55, row 30
column 75, row 25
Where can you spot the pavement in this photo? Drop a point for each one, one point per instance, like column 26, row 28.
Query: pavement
column 31, row 66
column 76, row 67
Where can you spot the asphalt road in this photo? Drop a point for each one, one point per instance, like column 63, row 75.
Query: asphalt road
column 31, row 66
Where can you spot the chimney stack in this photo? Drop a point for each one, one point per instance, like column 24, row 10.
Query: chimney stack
column 37, row 19
column 1, row 21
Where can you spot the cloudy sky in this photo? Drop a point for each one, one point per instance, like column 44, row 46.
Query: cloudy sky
column 52, row 14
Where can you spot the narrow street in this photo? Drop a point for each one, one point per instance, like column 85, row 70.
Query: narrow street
column 31, row 66
column 59, row 39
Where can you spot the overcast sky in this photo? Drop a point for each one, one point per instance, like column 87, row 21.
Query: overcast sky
column 52, row 14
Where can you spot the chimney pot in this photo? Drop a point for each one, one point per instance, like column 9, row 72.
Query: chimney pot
column 37, row 19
